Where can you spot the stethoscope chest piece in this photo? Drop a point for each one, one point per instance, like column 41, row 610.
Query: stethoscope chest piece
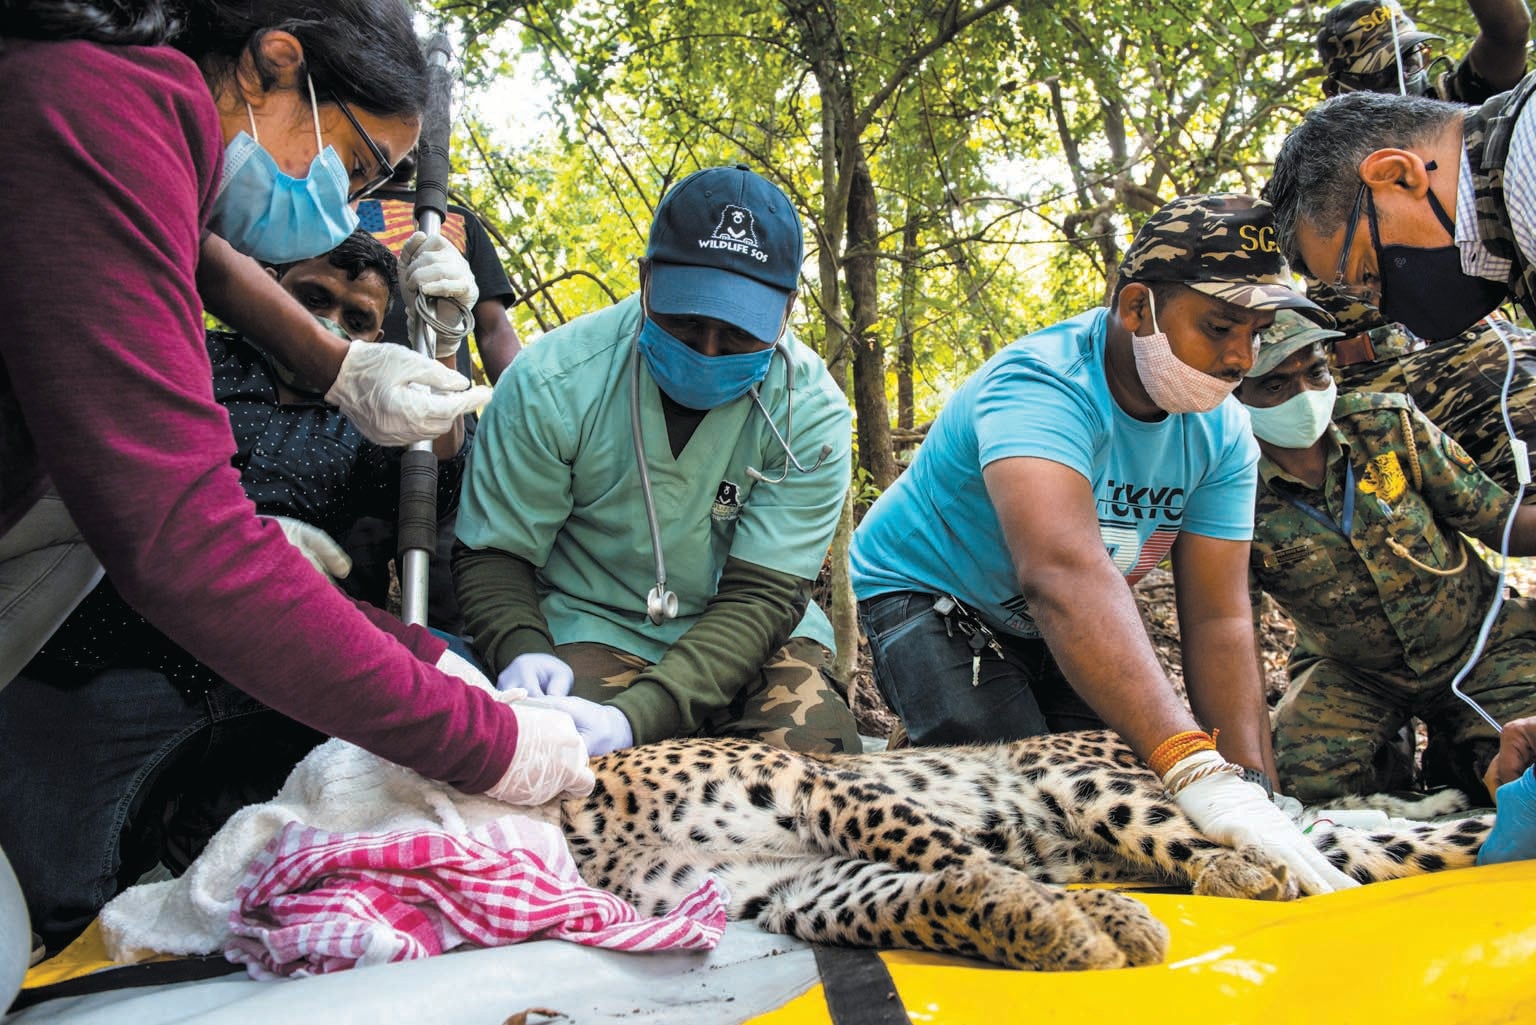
column 660, row 605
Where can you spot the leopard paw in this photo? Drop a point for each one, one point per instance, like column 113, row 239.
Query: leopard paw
column 1025, row 924
column 1141, row 937
column 1247, row 872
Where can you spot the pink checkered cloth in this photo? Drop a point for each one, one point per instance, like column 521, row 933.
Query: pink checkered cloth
column 314, row 902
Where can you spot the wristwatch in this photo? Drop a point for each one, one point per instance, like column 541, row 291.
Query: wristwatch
column 1261, row 778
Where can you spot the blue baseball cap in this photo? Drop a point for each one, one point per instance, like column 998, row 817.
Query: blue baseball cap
column 726, row 244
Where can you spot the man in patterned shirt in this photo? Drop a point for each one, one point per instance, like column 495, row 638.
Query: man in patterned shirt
column 1358, row 536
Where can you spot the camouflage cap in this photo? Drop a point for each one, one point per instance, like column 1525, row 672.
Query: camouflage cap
column 1351, row 314
column 1289, row 333
column 1356, row 38
column 1222, row 245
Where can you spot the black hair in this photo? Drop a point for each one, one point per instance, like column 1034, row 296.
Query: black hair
column 123, row 24
column 358, row 253
column 364, row 52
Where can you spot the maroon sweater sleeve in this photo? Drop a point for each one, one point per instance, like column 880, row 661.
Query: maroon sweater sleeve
column 110, row 161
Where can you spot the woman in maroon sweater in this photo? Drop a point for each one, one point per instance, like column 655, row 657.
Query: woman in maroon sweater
column 116, row 120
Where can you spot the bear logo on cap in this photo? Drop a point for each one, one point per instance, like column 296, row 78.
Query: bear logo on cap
column 737, row 233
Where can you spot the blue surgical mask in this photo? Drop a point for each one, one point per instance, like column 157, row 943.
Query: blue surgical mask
column 696, row 381
column 274, row 217
column 1298, row 421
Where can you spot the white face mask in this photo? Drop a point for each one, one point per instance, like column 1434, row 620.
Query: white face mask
column 1175, row 386
column 1298, row 421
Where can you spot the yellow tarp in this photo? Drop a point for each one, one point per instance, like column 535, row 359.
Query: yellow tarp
column 1442, row 949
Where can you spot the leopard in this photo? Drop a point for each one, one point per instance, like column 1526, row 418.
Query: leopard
column 968, row 850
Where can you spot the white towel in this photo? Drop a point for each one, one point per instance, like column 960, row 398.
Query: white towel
column 339, row 788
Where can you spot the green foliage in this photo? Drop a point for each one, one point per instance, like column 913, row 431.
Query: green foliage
column 1011, row 164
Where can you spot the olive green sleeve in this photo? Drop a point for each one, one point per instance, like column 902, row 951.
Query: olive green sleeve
column 748, row 619
column 500, row 603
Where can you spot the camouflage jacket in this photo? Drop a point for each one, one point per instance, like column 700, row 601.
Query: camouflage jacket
column 1355, row 598
column 1486, row 134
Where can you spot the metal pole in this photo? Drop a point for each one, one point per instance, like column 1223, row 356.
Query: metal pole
column 418, row 466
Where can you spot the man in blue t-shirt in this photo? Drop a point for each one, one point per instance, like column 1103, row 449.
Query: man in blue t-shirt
column 993, row 576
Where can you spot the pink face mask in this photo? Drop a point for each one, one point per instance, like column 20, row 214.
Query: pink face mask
column 1175, row 386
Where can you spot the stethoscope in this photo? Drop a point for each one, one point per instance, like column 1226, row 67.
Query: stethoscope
column 661, row 603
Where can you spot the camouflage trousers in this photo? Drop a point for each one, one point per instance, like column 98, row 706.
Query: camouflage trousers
column 793, row 702
column 1334, row 728
column 1457, row 384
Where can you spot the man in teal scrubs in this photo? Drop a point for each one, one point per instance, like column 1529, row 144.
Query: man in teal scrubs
column 563, row 589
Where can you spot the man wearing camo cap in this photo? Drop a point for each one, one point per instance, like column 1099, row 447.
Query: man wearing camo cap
column 1362, row 504
column 994, row 576
column 1447, row 375
column 1372, row 46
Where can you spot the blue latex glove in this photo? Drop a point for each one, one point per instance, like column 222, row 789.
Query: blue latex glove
column 538, row 674
column 603, row 727
column 1514, row 826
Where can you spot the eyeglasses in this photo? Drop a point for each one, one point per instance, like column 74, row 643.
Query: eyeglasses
column 1367, row 294
column 386, row 170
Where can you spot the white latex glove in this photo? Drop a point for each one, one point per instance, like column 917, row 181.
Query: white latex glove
column 430, row 265
column 396, row 396
column 550, row 761
column 1232, row 811
column 603, row 727
column 461, row 668
column 537, row 673
column 315, row 545
column 1290, row 807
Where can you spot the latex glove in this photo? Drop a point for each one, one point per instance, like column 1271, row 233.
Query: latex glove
column 603, row 727
column 1514, row 825
column 1234, row 812
column 537, row 673
column 550, row 761
column 430, row 265
column 396, row 396
column 459, row 667
column 1289, row 807
column 315, row 545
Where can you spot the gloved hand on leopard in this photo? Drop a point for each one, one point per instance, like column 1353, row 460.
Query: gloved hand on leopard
column 1232, row 811
column 551, row 760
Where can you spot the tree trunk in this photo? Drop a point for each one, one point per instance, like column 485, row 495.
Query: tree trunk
column 906, row 359
column 844, row 612
column 860, row 272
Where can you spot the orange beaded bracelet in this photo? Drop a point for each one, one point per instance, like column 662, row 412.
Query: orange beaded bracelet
column 1178, row 747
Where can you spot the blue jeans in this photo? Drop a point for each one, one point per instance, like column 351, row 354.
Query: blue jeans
column 103, row 777
column 924, row 673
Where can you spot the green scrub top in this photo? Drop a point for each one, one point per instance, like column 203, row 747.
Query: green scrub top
column 552, row 479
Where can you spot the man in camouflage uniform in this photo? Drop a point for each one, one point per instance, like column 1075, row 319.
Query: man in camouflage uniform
column 1455, row 381
column 1457, row 384
column 1361, row 505
column 1447, row 193
column 1365, row 45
